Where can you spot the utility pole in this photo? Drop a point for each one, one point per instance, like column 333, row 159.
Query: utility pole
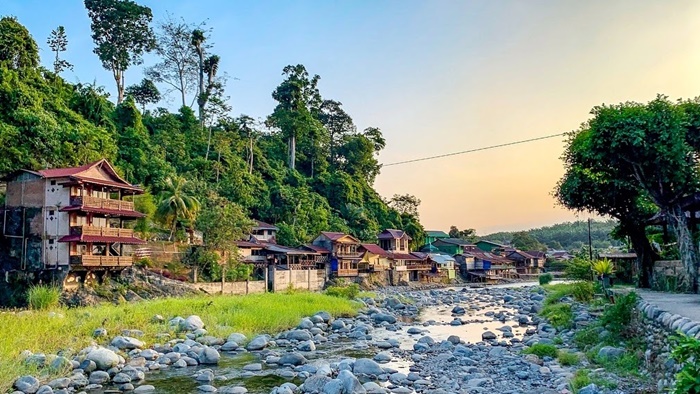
column 590, row 244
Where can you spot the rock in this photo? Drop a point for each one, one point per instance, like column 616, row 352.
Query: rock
column 315, row 384
column 210, row 341
column 350, row 383
column 307, row 346
column 383, row 317
column 126, row 343
column 487, row 335
column 27, row 384
column 103, row 358
column 258, row 343
column 236, row 337
column 299, row 335
column 324, row 315
column 60, row 383
column 590, row 389
column 60, row 364
column 255, row 367
column 121, row 378
column 292, row 358
column 99, row 377
column 45, row 390
column 373, row 388
column 610, row 353
column 209, row 356
column 146, row 388
column 383, row 357
column 206, row 388
column 233, row 390
column 99, row 332
column 479, row 382
column 454, row 339
column 192, row 323
column 365, row 366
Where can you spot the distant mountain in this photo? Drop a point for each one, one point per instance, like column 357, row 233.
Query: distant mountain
column 568, row 235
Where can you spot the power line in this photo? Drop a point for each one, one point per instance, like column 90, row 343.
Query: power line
column 472, row 150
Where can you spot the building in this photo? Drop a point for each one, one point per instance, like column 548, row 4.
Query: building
column 264, row 232
column 68, row 220
column 489, row 246
column 450, row 246
column 525, row 262
column 486, row 266
column 344, row 250
column 433, row 235
column 393, row 240
column 374, row 259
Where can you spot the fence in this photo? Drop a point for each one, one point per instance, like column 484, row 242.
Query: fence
column 233, row 288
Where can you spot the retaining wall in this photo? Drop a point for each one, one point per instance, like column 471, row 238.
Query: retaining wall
column 238, row 288
column 656, row 326
column 312, row 280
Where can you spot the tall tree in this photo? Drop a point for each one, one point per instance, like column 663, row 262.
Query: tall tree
column 338, row 124
column 144, row 93
column 179, row 66
column 246, row 125
column 298, row 101
column 468, row 234
column 405, row 204
column 121, row 31
column 17, row 47
column 58, row 42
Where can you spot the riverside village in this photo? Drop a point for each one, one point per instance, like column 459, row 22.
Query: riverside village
column 187, row 208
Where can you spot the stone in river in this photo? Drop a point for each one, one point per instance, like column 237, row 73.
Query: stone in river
column 488, row 335
column 258, row 343
column 103, row 358
column 192, row 323
column 366, row 366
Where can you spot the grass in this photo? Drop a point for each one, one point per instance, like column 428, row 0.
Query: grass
column 566, row 358
column 583, row 378
column 545, row 278
column 560, row 315
column 349, row 292
column 542, row 350
column 581, row 291
column 252, row 314
column 41, row 297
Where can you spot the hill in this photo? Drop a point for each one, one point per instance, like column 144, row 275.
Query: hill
column 568, row 235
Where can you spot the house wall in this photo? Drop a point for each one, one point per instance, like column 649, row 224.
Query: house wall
column 56, row 223
column 234, row 288
column 312, row 280
column 485, row 246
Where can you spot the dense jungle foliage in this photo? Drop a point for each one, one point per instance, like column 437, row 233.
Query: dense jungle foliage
column 305, row 168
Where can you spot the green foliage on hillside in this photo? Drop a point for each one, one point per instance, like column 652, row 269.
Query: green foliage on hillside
column 47, row 122
column 568, row 235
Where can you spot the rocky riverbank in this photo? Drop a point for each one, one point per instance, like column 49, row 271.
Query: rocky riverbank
column 436, row 341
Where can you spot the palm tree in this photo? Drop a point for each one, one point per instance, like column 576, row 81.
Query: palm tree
column 175, row 204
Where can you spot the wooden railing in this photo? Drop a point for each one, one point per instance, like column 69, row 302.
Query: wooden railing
column 347, row 272
column 419, row 266
column 102, row 261
column 103, row 203
column 102, row 231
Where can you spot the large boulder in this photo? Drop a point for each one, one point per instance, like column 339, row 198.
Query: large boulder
column 103, row 358
column 258, row 343
column 350, row 383
column 27, row 384
column 365, row 366
column 610, row 353
column 236, row 337
column 192, row 323
column 299, row 335
column 292, row 358
column 209, row 356
column 126, row 343
column 315, row 384
column 384, row 317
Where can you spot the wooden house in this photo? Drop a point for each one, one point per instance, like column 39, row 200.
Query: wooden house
column 486, row 266
column 264, row 232
column 450, row 246
column 525, row 263
column 344, row 252
column 374, row 259
column 68, row 220
column 488, row 246
column 433, row 235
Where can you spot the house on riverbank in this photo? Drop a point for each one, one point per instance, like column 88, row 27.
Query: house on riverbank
column 68, row 220
column 345, row 254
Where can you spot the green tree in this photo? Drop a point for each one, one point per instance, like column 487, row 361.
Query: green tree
column 17, row 47
column 468, row 234
column 651, row 142
column 338, row 124
column 523, row 240
column 176, row 205
column 121, row 31
column 144, row 93
column 406, row 204
column 222, row 224
column 58, row 42
column 178, row 67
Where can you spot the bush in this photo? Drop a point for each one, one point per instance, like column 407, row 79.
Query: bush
column 582, row 291
column 542, row 350
column 686, row 352
column 560, row 315
column 565, row 358
column 587, row 337
column 579, row 269
column 144, row 262
column 43, row 297
column 617, row 317
column 350, row 291
column 545, row 278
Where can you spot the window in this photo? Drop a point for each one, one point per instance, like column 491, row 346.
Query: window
column 53, row 183
column 51, row 212
column 51, row 241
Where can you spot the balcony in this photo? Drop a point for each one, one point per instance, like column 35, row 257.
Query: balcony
column 102, row 231
column 102, row 261
column 348, row 272
column 419, row 267
column 102, row 203
column 346, row 254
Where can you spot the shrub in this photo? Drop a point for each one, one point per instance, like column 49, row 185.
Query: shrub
column 582, row 291
column 350, row 291
column 603, row 267
column 565, row 358
column 545, row 278
column 144, row 262
column 587, row 337
column 542, row 350
column 617, row 317
column 43, row 297
column 580, row 380
column 560, row 315
column 686, row 351
column 579, row 269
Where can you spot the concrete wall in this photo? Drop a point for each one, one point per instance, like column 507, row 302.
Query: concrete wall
column 235, row 288
column 669, row 275
column 312, row 280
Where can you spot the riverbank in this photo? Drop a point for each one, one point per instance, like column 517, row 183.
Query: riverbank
column 65, row 331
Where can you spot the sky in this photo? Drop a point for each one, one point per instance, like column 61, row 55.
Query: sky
column 436, row 77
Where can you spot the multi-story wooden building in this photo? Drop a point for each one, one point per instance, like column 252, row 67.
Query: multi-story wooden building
column 68, row 220
column 345, row 253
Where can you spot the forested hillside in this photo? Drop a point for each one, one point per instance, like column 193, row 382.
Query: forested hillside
column 306, row 167
column 568, row 235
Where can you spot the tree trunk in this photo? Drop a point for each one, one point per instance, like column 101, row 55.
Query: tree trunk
column 686, row 247
column 292, row 151
column 645, row 254
column 206, row 156
column 182, row 90
column 200, row 97
column 250, row 159
column 119, row 79
column 195, row 270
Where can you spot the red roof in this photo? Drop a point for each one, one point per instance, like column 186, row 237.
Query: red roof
column 405, row 256
column 111, row 212
column 264, row 226
column 391, row 233
column 75, row 173
column 375, row 249
column 102, row 239
column 65, row 172
column 250, row 245
column 336, row 236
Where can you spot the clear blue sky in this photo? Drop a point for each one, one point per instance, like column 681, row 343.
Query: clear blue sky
column 436, row 77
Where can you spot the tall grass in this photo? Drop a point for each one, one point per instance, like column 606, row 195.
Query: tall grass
column 71, row 329
column 42, row 297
